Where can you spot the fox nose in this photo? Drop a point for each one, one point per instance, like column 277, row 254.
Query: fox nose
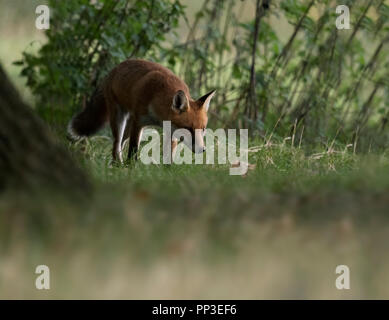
column 198, row 149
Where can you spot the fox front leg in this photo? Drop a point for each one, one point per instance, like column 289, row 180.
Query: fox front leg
column 118, row 121
column 135, row 134
column 174, row 148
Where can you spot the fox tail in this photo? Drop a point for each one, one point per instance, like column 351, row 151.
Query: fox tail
column 91, row 119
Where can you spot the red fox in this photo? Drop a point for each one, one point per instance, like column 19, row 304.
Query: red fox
column 139, row 93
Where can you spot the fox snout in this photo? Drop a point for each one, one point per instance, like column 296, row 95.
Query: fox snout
column 193, row 139
column 198, row 149
column 198, row 141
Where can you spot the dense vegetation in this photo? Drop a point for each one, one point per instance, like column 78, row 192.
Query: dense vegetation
column 315, row 196
column 320, row 82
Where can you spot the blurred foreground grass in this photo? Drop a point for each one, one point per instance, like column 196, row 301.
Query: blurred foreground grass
column 194, row 231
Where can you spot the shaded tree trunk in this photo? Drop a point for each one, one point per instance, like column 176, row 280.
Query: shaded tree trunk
column 251, row 111
column 29, row 157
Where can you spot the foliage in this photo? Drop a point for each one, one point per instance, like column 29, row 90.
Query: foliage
column 86, row 39
column 321, row 82
column 154, row 231
column 331, row 83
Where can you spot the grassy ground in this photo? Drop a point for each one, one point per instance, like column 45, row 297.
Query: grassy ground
column 197, row 232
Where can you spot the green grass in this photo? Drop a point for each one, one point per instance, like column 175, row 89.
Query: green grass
column 194, row 231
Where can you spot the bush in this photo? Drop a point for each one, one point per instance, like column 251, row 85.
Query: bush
column 320, row 83
column 85, row 40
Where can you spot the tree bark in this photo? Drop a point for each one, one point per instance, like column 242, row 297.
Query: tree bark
column 30, row 159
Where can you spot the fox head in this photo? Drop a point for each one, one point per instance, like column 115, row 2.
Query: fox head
column 191, row 115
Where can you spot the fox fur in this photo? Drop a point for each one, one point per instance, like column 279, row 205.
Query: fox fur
column 139, row 93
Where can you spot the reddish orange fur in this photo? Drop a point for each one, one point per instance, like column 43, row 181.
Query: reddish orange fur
column 145, row 91
column 135, row 84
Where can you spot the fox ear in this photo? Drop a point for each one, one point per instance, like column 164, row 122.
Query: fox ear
column 206, row 99
column 180, row 102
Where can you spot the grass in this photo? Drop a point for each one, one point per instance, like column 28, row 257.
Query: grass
column 194, row 231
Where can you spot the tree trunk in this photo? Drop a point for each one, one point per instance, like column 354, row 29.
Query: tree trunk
column 29, row 157
column 251, row 101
